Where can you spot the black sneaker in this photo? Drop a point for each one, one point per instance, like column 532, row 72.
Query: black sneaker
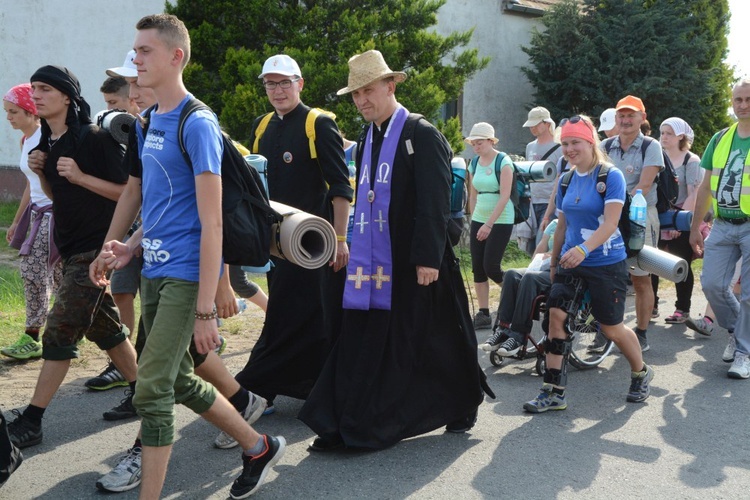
column 463, row 424
column 640, row 385
column 494, row 341
column 109, row 378
column 13, row 460
column 122, row 411
column 643, row 342
column 23, row 432
column 255, row 469
column 509, row 348
column 482, row 320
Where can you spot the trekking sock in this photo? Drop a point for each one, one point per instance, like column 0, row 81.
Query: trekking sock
column 485, row 310
column 709, row 318
column 33, row 333
column 34, row 414
column 560, row 391
column 132, row 386
column 241, row 399
column 260, row 447
column 641, row 373
column 639, row 332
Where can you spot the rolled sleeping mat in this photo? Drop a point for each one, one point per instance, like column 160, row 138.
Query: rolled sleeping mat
column 663, row 264
column 302, row 239
column 679, row 220
column 117, row 123
column 537, row 171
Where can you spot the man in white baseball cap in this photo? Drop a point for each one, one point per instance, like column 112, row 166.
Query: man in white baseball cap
column 608, row 124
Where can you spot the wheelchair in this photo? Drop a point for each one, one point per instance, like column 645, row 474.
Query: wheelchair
column 589, row 346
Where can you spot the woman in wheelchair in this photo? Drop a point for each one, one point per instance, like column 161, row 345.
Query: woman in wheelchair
column 588, row 248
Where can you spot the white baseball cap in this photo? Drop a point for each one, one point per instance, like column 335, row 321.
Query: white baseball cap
column 281, row 64
column 607, row 120
column 127, row 70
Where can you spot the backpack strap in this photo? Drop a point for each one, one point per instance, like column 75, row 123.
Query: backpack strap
column 550, row 151
column 499, row 165
column 601, row 177
column 190, row 107
column 262, row 128
column 312, row 115
column 608, row 143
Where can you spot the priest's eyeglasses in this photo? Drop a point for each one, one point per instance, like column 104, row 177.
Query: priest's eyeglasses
column 284, row 84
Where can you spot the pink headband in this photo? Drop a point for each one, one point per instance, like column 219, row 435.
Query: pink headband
column 577, row 128
column 20, row 95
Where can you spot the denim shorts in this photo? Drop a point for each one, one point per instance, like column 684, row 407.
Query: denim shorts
column 607, row 286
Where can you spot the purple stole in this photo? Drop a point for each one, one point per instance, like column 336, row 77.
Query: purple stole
column 368, row 274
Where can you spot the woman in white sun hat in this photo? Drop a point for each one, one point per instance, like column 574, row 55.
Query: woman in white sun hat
column 492, row 214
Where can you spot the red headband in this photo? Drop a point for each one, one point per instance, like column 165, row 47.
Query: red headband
column 20, row 95
column 580, row 129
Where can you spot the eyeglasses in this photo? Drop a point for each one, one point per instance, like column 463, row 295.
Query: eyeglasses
column 284, row 84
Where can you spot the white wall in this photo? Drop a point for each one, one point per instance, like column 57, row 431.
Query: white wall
column 86, row 36
column 500, row 94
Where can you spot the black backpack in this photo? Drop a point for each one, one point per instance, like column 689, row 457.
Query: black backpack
column 246, row 213
column 624, row 224
column 520, row 189
column 667, row 185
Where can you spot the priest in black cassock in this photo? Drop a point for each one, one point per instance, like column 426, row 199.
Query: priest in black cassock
column 405, row 362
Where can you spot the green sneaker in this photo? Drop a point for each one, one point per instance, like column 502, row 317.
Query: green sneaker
column 24, row 348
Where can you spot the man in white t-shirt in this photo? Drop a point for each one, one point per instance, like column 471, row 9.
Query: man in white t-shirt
column 543, row 148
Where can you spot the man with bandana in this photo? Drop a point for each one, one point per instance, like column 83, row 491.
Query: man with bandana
column 304, row 305
column 80, row 168
column 405, row 362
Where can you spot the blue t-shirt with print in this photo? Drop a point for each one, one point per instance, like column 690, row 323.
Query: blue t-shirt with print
column 171, row 227
column 583, row 207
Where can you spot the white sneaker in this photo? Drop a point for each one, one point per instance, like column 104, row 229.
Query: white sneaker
column 252, row 413
column 741, row 366
column 125, row 476
column 728, row 355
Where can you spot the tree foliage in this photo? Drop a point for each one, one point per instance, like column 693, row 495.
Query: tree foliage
column 668, row 52
column 231, row 40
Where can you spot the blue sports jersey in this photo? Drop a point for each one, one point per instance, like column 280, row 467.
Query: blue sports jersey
column 583, row 217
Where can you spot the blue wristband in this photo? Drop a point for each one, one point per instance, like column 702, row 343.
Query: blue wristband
column 584, row 250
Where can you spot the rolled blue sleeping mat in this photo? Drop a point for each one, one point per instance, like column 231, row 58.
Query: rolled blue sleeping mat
column 679, row 220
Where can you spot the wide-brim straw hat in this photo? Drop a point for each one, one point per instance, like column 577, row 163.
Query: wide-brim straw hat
column 482, row 130
column 366, row 68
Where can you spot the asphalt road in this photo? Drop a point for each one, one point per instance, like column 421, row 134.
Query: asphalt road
column 691, row 439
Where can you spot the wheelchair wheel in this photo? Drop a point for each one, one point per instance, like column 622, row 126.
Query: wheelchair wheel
column 541, row 365
column 496, row 359
column 590, row 346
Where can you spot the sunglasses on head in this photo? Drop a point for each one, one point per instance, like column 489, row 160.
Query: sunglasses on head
column 572, row 119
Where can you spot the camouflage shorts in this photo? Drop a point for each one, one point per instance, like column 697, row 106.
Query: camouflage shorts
column 81, row 309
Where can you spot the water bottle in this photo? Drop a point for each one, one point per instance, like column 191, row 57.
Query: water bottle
column 638, row 207
column 241, row 305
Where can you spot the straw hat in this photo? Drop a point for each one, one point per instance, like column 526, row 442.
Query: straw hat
column 366, row 68
column 482, row 130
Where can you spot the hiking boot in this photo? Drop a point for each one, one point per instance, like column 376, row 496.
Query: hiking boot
column 640, row 385
column 125, row 476
column 23, row 432
column 677, row 318
column 643, row 342
column 463, row 424
column 122, row 411
column 728, row 355
column 222, row 346
column 509, row 348
column 598, row 345
column 255, row 469
column 493, row 342
column 546, row 400
column 482, row 321
column 702, row 325
column 741, row 366
column 109, row 378
column 24, row 348
column 252, row 412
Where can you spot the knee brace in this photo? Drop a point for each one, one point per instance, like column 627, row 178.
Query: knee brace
column 560, row 347
column 558, row 378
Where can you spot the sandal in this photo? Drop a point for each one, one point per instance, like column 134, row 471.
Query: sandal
column 677, row 318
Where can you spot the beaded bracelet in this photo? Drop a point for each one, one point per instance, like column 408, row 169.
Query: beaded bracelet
column 206, row 316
